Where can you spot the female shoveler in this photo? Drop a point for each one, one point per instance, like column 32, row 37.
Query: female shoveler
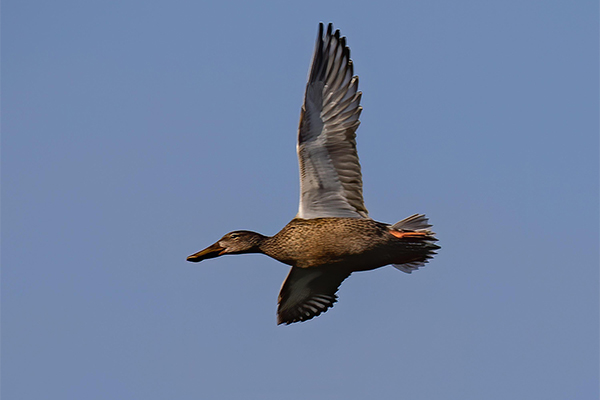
column 332, row 234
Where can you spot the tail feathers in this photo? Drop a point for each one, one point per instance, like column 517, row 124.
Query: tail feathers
column 413, row 266
column 424, row 245
column 416, row 222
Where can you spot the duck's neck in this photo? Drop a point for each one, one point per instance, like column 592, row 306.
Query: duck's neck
column 268, row 246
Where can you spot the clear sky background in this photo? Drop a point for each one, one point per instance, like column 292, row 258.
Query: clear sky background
column 135, row 133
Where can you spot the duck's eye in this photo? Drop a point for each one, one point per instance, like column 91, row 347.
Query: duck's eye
column 234, row 235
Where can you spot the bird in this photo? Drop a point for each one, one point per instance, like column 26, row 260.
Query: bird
column 332, row 235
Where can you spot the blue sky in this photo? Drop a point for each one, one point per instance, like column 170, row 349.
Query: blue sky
column 136, row 133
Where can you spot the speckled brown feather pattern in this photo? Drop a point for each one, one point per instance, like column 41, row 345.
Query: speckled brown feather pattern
column 323, row 252
column 358, row 244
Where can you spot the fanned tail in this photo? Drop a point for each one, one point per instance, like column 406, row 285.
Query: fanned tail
column 416, row 222
column 416, row 227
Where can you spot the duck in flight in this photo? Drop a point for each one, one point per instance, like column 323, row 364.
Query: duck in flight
column 332, row 234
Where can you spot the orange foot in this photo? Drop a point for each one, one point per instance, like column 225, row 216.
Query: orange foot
column 404, row 235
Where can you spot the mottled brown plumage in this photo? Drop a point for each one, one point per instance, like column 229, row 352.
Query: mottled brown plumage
column 325, row 251
column 351, row 243
column 332, row 234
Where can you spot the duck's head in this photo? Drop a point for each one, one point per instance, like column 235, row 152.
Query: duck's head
column 236, row 242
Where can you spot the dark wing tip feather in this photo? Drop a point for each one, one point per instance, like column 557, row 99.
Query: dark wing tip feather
column 313, row 307
column 308, row 292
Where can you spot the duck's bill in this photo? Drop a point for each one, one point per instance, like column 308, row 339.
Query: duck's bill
column 210, row 252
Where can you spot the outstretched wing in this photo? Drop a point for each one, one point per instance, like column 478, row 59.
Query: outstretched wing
column 308, row 292
column 330, row 177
